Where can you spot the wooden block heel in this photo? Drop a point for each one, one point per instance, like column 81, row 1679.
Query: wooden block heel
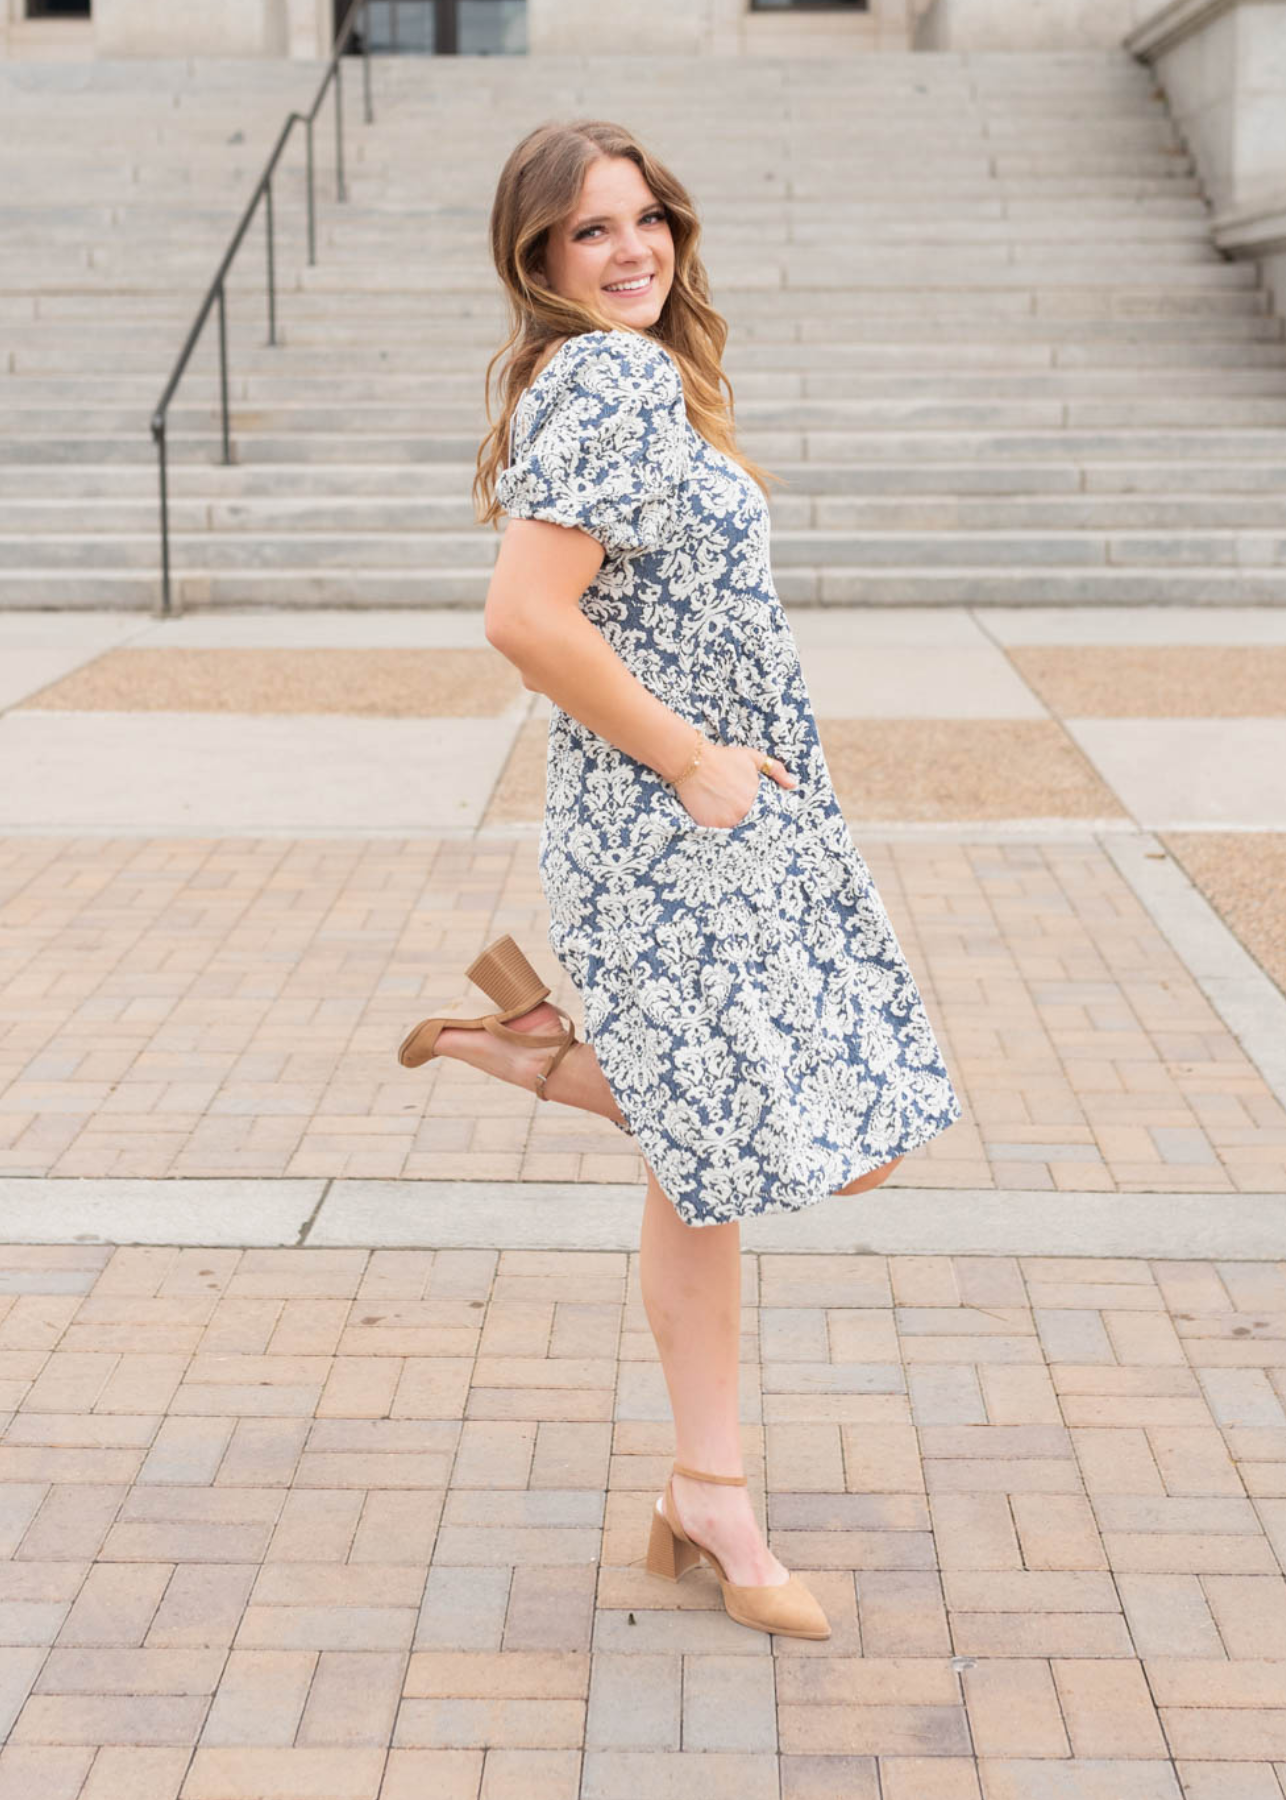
column 505, row 976
column 666, row 1554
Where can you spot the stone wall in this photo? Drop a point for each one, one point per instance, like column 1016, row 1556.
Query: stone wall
column 1222, row 64
column 710, row 27
column 1026, row 24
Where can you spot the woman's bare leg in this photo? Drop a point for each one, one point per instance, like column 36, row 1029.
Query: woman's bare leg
column 690, row 1276
column 577, row 1081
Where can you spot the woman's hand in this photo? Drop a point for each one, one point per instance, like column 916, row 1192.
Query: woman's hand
column 722, row 788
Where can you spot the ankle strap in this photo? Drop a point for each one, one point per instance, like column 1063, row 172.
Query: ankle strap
column 700, row 1475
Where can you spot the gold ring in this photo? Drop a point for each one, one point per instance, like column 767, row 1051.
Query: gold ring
column 766, row 766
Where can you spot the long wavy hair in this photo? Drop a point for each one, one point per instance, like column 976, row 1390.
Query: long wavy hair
column 538, row 187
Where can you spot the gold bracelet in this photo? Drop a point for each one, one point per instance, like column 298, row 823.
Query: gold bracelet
column 693, row 761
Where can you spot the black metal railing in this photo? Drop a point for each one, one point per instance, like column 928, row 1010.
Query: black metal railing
column 216, row 295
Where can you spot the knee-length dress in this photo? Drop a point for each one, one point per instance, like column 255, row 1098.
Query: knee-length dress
column 742, row 986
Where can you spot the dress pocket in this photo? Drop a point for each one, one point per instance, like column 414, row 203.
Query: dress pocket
column 690, row 826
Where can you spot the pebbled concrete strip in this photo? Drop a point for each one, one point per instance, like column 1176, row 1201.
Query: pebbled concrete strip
column 887, row 1220
column 1253, row 1009
column 526, row 1215
column 65, row 1210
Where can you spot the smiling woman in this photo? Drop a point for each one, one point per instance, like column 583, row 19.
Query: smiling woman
column 749, row 1015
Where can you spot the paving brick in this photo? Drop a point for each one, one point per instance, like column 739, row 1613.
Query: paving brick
column 974, row 1531
column 550, row 1609
column 399, row 1524
column 531, row 1775
column 115, row 1605
column 1013, row 1709
column 315, row 1527
column 1040, row 1634
column 1225, row 1733
column 494, row 1453
column 1058, row 1531
column 926, row 1778
column 901, row 1612
column 872, row 1730
column 1018, row 1778
column 336, row 1627
column 330, row 1584
column 445, row 1774
column 946, row 1395
column 1118, row 1461
column 201, row 1606
column 132, row 1671
column 262, row 1453
column 260, row 1697
column 660, row 1775
column 1229, row 1781
column 19, row 1668
column 354, row 1698
column 301, row 1772
column 463, row 1608
column 142, row 1772
column 634, row 1702
column 1107, row 1708
column 571, row 1453
column 110, row 1719
column 51, row 1773
column 1180, row 1553
column 729, row 1703
column 1249, row 1611
column 509, row 1724
column 187, row 1450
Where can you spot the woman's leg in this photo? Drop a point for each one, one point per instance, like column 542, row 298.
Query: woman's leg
column 691, row 1281
column 577, row 1081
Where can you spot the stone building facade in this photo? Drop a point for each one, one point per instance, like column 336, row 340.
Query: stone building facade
column 304, row 28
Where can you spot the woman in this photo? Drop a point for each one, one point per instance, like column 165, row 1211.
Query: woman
column 750, row 1017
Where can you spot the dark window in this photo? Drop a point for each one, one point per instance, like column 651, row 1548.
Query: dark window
column 445, row 27
column 809, row 6
column 57, row 9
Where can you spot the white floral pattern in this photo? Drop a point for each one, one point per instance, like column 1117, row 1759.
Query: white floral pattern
column 743, row 988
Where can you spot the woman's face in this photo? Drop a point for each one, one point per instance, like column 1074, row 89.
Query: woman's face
column 617, row 232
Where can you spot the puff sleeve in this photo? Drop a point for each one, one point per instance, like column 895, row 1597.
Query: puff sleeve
column 605, row 445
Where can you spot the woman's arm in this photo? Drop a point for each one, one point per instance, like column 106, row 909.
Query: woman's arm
column 533, row 618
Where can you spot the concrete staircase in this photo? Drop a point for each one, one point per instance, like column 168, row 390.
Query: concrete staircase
column 975, row 323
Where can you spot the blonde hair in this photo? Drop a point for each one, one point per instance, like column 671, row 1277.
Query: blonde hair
column 538, row 187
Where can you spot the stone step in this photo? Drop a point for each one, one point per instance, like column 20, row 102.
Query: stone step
column 908, row 216
column 79, row 516
column 1186, row 485
column 780, row 315
column 1082, row 586
column 158, row 243
column 773, row 450
column 1244, row 365
column 801, row 428
column 29, row 401
column 923, row 546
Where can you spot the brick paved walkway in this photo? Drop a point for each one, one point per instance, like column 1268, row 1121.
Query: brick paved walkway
column 322, row 1523
column 346, row 1524
column 189, row 1008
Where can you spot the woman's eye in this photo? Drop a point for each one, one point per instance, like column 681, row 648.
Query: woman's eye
column 656, row 213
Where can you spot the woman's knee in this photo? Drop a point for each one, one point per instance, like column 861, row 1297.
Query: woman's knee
column 872, row 1178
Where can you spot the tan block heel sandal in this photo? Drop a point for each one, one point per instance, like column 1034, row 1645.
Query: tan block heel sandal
column 786, row 1607
column 504, row 974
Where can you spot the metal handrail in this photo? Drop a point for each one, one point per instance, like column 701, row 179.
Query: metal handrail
column 216, row 291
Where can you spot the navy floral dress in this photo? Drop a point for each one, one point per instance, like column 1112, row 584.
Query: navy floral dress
column 742, row 986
